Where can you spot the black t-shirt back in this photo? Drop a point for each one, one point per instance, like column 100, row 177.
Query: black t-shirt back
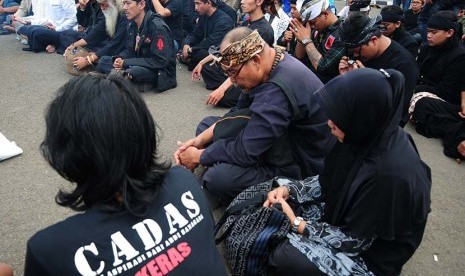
column 175, row 20
column 263, row 27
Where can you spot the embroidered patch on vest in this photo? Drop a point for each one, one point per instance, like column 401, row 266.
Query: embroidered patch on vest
column 160, row 44
column 329, row 42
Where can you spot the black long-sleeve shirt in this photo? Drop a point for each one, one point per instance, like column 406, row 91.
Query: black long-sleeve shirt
column 112, row 45
column 209, row 31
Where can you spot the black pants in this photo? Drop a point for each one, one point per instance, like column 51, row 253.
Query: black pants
column 196, row 57
column 285, row 259
column 439, row 119
column 213, row 76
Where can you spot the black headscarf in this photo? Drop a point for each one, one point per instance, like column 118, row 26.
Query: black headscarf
column 366, row 104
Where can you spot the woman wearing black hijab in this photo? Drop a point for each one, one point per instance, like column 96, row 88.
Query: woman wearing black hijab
column 367, row 212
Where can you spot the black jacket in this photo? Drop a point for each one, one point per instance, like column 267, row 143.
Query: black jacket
column 209, row 31
column 108, row 46
column 406, row 40
column 155, row 49
column 442, row 71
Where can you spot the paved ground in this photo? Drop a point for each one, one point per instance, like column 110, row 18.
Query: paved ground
column 28, row 185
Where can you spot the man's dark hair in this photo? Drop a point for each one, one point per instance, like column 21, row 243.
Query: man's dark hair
column 101, row 136
column 393, row 14
column 213, row 2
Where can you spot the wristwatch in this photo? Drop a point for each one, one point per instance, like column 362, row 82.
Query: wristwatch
column 296, row 223
column 306, row 41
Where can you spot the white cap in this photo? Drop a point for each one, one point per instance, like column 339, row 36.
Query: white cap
column 313, row 8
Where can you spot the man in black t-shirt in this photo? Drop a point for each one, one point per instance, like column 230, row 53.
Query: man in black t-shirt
column 367, row 47
column 171, row 11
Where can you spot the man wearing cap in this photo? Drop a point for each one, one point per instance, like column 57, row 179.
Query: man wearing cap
column 279, row 94
column 368, row 47
column 212, row 25
column 393, row 27
column 316, row 35
column 149, row 58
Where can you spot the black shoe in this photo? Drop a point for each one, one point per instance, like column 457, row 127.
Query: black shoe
column 4, row 32
column 27, row 49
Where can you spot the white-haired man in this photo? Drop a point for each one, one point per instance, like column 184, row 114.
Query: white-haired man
column 107, row 37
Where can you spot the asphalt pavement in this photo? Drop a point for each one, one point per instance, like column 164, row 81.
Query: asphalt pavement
column 28, row 185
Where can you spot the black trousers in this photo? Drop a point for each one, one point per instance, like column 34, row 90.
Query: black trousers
column 439, row 119
column 285, row 260
column 213, row 76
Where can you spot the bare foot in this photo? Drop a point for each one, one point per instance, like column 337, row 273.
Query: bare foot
column 461, row 148
column 50, row 49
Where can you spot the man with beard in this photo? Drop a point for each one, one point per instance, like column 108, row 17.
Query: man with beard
column 107, row 37
column 148, row 59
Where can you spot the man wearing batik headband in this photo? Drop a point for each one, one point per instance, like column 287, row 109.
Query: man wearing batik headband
column 438, row 107
column 225, row 93
column 316, row 34
column 393, row 27
column 149, row 59
column 368, row 47
column 235, row 163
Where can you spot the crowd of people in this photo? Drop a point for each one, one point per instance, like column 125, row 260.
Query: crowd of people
column 322, row 100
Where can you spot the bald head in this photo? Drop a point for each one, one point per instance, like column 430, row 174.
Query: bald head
column 235, row 35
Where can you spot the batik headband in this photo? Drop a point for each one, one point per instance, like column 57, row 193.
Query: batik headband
column 240, row 51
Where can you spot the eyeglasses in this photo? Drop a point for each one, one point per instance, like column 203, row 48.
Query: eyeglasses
column 234, row 73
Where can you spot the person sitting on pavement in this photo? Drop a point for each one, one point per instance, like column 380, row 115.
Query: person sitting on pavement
column 36, row 17
column 149, row 59
column 393, row 27
column 438, row 107
column 225, row 94
column 89, row 15
column 212, row 26
column 234, row 163
column 7, row 7
column 368, row 47
column 171, row 11
column 106, row 38
column 411, row 18
column 316, row 36
column 367, row 212
column 136, row 214
column 24, row 10
column 279, row 22
column 62, row 18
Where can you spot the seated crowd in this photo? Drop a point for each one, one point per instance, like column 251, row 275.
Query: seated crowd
column 323, row 100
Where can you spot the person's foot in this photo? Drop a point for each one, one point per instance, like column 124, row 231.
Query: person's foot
column 461, row 148
column 4, row 32
column 9, row 28
column 50, row 49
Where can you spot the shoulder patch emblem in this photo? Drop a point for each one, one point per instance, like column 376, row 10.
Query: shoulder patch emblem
column 160, row 43
column 329, row 42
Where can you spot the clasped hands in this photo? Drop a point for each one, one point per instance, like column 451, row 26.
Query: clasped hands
column 188, row 154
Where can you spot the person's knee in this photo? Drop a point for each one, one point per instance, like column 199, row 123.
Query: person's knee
column 218, row 181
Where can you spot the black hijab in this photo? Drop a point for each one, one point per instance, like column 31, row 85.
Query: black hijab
column 366, row 104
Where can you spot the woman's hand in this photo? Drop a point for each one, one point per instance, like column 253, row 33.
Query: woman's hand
column 275, row 195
